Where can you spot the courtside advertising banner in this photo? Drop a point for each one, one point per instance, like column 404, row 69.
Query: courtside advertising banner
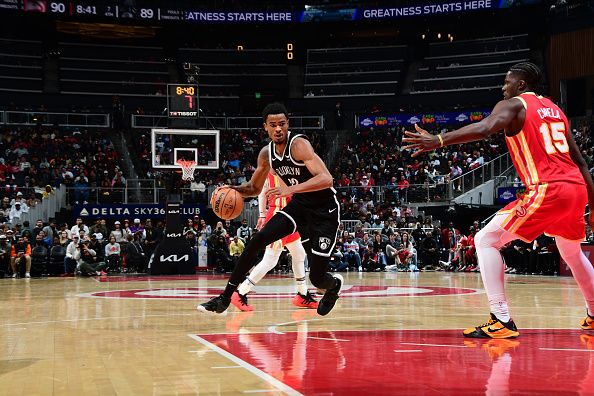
column 429, row 118
column 137, row 210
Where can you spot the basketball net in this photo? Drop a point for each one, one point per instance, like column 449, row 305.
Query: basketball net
column 188, row 167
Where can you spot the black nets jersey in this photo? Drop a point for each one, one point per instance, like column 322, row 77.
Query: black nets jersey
column 293, row 172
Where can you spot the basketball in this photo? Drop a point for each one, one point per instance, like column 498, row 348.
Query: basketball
column 226, row 203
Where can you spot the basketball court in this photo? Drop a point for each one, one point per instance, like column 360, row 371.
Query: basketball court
column 390, row 333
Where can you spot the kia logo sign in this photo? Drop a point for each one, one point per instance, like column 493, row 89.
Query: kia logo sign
column 174, row 235
column 173, row 258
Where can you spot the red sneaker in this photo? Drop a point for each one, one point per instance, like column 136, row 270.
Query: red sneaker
column 241, row 302
column 306, row 301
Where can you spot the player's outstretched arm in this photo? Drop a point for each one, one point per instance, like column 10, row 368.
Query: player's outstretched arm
column 576, row 157
column 252, row 187
column 301, row 150
column 502, row 116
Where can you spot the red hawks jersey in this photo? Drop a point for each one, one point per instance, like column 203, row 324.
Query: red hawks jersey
column 540, row 152
column 276, row 204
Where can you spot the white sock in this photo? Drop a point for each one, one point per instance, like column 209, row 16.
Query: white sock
column 498, row 305
column 487, row 242
column 298, row 263
column 581, row 268
column 245, row 287
column 260, row 270
column 301, row 286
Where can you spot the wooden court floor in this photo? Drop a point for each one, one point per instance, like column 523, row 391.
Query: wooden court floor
column 390, row 333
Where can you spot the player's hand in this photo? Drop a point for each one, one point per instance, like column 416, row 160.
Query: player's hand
column 421, row 141
column 260, row 223
column 280, row 191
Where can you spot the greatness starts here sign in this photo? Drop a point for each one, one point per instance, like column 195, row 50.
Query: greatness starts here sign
column 429, row 9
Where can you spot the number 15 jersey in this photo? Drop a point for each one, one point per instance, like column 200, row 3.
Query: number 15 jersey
column 540, row 152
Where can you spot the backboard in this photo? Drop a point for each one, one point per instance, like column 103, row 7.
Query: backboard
column 170, row 145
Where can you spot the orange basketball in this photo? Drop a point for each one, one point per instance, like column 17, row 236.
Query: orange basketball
column 226, row 203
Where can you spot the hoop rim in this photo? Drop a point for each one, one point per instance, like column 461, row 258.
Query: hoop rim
column 184, row 162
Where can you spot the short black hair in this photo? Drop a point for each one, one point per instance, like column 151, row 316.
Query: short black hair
column 528, row 72
column 274, row 108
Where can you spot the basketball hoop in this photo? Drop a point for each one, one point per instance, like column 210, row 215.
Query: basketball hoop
column 188, row 167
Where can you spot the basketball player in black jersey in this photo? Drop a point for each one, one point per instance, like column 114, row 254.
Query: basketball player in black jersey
column 313, row 211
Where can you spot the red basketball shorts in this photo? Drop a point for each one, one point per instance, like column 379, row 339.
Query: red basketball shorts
column 556, row 209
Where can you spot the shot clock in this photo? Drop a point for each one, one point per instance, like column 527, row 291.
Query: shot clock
column 182, row 100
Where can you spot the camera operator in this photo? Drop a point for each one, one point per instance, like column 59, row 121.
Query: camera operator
column 219, row 250
column 87, row 263
column 20, row 251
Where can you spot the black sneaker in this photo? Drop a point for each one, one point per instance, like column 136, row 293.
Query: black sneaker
column 216, row 305
column 327, row 302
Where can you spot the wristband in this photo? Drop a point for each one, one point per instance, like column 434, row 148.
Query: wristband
column 440, row 140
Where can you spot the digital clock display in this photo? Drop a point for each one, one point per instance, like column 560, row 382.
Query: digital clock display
column 182, row 100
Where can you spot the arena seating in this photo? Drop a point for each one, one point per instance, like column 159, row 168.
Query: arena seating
column 21, row 65
column 228, row 73
column 112, row 69
column 69, row 153
column 375, row 154
column 361, row 71
column 470, row 64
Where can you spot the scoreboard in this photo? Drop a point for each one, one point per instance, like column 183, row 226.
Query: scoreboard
column 94, row 9
column 140, row 11
column 182, row 100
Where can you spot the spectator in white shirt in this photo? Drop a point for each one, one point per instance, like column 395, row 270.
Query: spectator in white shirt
column 75, row 230
column 16, row 213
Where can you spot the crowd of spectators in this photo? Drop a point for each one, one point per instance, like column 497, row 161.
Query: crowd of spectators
column 51, row 248
column 422, row 246
column 374, row 158
column 36, row 160
column 409, row 244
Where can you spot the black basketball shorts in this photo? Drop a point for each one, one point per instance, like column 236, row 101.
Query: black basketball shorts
column 316, row 224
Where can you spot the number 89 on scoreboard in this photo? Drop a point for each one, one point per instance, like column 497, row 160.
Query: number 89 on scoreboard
column 182, row 100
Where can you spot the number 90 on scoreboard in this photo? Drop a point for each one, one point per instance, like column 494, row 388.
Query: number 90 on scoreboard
column 182, row 100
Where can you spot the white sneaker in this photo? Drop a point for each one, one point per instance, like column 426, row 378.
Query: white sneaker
column 27, row 275
column 14, row 275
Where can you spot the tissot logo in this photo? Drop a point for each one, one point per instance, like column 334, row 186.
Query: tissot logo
column 173, row 235
column 174, row 258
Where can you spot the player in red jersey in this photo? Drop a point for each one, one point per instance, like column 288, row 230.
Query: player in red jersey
column 558, row 187
column 292, row 242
